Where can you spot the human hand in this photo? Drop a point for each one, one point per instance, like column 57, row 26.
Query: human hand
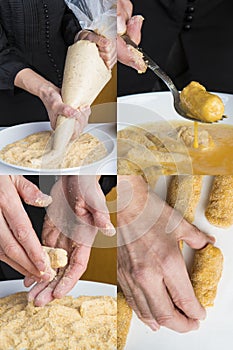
column 19, row 245
column 72, row 221
column 107, row 47
column 126, row 24
column 151, row 268
column 51, row 97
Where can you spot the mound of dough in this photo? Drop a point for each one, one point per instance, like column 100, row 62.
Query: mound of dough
column 68, row 324
column 29, row 151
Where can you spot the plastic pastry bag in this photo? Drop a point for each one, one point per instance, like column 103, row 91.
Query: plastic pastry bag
column 96, row 15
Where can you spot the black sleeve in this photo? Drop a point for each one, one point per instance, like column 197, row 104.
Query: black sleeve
column 70, row 26
column 107, row 182
column 11, row 62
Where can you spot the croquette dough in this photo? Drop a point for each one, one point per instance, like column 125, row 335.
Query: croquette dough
column 206, row 273
column 66, row 324
column 29, row 151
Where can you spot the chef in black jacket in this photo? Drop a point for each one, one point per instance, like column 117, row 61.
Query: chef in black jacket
column 34, row 37
column 189, row 39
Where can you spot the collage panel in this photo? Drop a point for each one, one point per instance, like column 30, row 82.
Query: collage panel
column 58, row 87
column 174, row 261
column 58, row 255
column 174, row 175
column 58, row 262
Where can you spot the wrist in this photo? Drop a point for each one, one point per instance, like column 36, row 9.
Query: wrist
column 45, row 90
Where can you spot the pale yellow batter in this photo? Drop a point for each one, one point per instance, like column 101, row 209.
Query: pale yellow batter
column 68, row 324
column 29, row 151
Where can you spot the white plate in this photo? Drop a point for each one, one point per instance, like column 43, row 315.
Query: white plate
column 216, row 331
column 157, row 106
column 81, row 288
column 15, row 133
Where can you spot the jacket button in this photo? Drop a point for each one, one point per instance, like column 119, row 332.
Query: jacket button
column 187, row 27
column 46, row 11
column 190, row 9
column 45, row 6
column 189, row 18
column 46, row 16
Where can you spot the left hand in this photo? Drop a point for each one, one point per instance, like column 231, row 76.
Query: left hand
column 72, row 222
column 107, row 47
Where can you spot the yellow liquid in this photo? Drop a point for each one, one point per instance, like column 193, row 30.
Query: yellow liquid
column 214, row 160
column 195, row 143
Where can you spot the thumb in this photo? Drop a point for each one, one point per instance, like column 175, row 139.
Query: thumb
column 195, row 238
column 30, row 193
column 134, row 27
column 103, row 222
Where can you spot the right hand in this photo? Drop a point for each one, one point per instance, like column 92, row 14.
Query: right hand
column 126, row 24
column 19, row 245
column 151, row 269
column 51, row 97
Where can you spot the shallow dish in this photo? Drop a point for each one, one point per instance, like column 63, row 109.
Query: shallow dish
column 15, row 133
column 152, row 108
column 81, row 288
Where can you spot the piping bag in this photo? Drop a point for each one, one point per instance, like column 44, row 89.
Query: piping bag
column 85, row 73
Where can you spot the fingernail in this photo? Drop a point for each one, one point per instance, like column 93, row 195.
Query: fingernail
column 137, row 19
column 212, row 239
column 43, row 200
column 41, row 267
column 30, row 297
column 154, row 326
column 29, row 281
column 109, row 230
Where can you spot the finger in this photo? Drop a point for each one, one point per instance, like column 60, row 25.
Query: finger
column 103, row 222
column 124, row 12
column 98, row 207
column 180, row 288
column 50, row 233
column 30, row 193
column 16, row 266
column 77, row 266
column 81, row 117
column 29, row 281
column 109, row 59
column 42, row 293
column 66, row 110
column 129, row 56
column 19, row 223
column 98, row 40
column 134, row 27
column 136, row 299
column 195, row 238
column 13, row 252
column 160, row 304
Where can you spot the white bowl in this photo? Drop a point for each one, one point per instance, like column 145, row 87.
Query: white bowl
column 18, row 132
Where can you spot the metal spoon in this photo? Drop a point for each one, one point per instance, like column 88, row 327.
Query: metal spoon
column 167, row 80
